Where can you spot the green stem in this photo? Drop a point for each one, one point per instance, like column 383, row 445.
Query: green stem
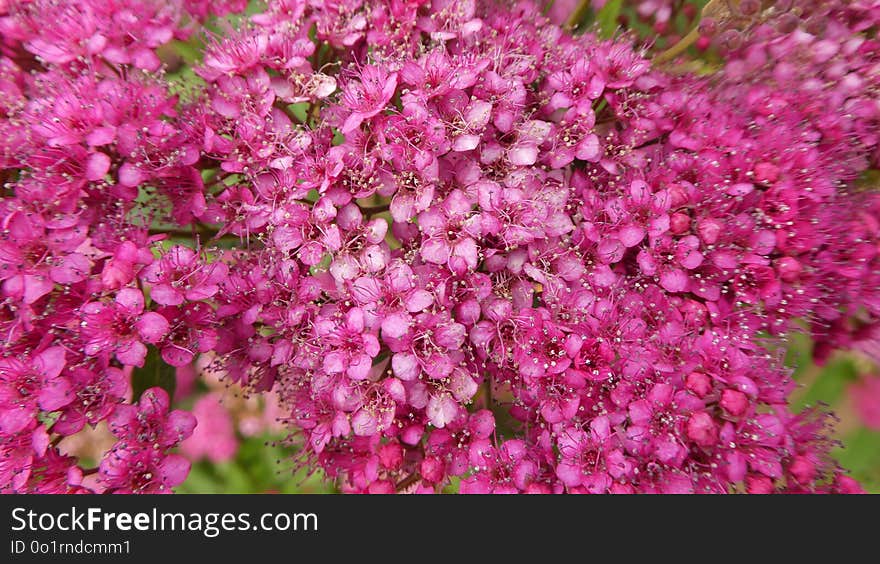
column 577, row 14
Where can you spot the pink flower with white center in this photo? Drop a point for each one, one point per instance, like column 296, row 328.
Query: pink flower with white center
column 60, row 475
column 575, row 88
column 505, row 470
column 427, row 343
column 599, row 251
column 618, row 66
column 311, row 233
column 655, row 425
column 541, row 346
column 399, row 292
column 669, row 260
column 19, row 453
column 641, row 213
column 450, row 232
column 122, row 327
column 31, row 385
column 351, row 346
column 237, row 53
column 34, row 259
column 96, row 393
column 516, row 214
column 182, row 275
column 574, row 138
column 191, row 331
column 363, row 248
column 149, row 424
column 121, row 269
column 141, row 470
column 586, row 457
column 412, row 140
column 438, row 74
column 366, row 95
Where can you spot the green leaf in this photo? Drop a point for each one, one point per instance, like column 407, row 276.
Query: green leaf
column 155, row 372
column 799, row 355
column 831, row 382
column 861, row 456
column 869, row 180
column 607, row 18
column 300, row 110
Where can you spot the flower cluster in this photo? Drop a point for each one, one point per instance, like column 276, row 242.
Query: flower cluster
column 458, row 242
column 88, row 145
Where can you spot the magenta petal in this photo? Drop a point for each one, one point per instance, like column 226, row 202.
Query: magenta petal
column 359, row 367
column 405, row 366
column 334, row 362
column 174, row 469
column 588, row 149
column 35, row 287
column 164, row 294
column 101, row 136
column 178, row 426
column 131, row 299
column 631, row 235
column 435, row 251
column 154, row 401
column 176, row 355
column 132, row 353
column 70, row 268
column 130, row 175
column 51, row 362
column 441, row 410
column 15, row 419
column 152, row 326
column 465, row 142
column 97, row 166
column 364, row 424
column 55, row 394
column 523, row 155
column 467, row 249
column 569, row 474
column 674, row 280
column 418, row 300
column 395, row 325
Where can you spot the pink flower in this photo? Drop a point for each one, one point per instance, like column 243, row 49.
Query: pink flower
column 97, row 392
column 367, row 96
column 30, row 385
column 33, row 260
column 141, row 471
column 122, row 327
column 355, row 347
column 149, row 424
column 182, row 275
column 214, row 437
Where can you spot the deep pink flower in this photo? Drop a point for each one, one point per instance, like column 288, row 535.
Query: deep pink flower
column 182, row 275
column 30, row 385
column 33, row 259
column 97, row 391
column 367, row 95
column 122, row 327
column 149, row 424
column 141, row 470
column 355, row 348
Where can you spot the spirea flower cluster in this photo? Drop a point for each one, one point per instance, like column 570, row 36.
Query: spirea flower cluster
column 461, row 244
